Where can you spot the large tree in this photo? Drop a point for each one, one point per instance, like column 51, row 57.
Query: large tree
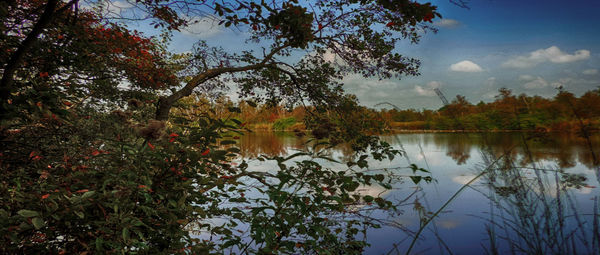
column 99, row 150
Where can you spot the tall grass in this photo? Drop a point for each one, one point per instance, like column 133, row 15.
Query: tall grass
column 284, row 123
column 536, row 212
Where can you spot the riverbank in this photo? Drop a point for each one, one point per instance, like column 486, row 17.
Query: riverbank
column 300, row 127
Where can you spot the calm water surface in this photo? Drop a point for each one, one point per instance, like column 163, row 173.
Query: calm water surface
column 511, row 210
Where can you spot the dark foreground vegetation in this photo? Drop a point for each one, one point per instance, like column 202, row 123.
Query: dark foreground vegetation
column 101, row 150
column 107, row 147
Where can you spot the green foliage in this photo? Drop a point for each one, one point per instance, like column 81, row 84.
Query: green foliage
column 510, row 112
column 91, row 166
column 284, row 123
column 294, row 23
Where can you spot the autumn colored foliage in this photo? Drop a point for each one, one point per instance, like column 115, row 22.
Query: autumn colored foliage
column 104, row 150
column 563, row 113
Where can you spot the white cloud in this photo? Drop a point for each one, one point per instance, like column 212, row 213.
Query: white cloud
column 489, row 90
column 465, row 66
column 572, row 82
column 447, row 23
column 526, row 77
column 490, row 82
column 329, row 56
column 536, row 83
column 490, row 94
column 552, row 54
column 109, row 9
column 423, row 91
column 204, row 27
column 122, row 4
column 428, row 89
column 434, row 84
column 590, row 71
column 563, row 82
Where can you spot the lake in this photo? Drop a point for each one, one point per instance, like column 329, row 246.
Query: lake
column 539, row 196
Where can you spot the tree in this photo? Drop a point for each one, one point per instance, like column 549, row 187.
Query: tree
column 94, row 158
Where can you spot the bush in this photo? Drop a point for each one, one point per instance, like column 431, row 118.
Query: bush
column 114, row 183
column 284, row 123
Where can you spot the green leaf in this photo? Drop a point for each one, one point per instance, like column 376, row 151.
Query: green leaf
column 99, row 242
column 79, row 214
column 88, row 194
column 38, row 223
column 362, row 163
column 125, row 234
column 28, row 213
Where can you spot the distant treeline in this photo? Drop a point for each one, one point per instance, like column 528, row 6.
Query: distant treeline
column 564, row 113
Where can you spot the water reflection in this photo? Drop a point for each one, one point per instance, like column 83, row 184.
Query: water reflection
column 269, row 143
column 563, row 149
column 527, row 184
column 566, row 150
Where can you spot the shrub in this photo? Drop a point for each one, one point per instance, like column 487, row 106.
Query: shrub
column 284, row 123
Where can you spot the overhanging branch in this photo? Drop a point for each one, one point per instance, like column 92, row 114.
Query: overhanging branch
column 165, row 103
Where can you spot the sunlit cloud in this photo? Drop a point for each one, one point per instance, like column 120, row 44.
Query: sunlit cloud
column 466, row 66
column 536, row 83
column 590, row 71
column 428, row 89
column 552, row 54
column 447, row 23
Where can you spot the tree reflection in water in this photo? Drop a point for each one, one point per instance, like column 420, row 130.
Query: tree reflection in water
column 532, row 208
column 533, row 213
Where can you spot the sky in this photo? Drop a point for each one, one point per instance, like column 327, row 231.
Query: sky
column 528, row 46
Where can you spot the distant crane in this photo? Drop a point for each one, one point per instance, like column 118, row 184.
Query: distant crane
column 387, row 103
column 442, row 97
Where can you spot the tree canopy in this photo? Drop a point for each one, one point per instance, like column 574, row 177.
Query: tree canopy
column 101, row 149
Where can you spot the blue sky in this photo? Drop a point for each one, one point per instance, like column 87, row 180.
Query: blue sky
column 528, row 46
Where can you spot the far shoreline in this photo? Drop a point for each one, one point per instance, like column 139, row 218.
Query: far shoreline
column 424, row 131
